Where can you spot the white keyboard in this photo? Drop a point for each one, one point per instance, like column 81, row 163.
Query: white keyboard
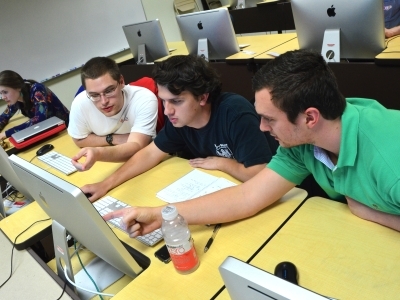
column 58, row 161
column 108, row 204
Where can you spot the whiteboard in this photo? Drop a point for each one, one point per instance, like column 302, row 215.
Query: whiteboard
column 41, row 39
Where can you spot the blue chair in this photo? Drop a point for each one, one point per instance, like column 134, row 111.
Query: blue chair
column 81, row 89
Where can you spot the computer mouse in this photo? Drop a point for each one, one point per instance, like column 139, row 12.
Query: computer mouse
column 44, row 149
column 288, row 271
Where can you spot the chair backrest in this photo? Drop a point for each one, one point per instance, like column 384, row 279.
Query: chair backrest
column 185, row 6
column 151, row 85
column 81, row 89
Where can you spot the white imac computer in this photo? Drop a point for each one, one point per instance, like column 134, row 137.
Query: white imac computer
column 209, row 33
column 146, row 41
column 7, row 172
column 244, row 281
column 352, row 30
column 73, row 214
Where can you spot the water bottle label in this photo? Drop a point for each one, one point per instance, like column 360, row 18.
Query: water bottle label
column 183, row 255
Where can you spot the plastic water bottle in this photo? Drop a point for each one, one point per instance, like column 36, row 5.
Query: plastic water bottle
column 179, row 241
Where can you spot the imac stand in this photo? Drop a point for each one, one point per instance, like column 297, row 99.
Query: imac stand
column 103, row 274
column 202, row 48
column 331, row 45
column 142, row 60
column 241, row 4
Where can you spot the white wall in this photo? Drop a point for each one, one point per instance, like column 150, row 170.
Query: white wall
column 164, row 11
column 65, row 86
column 42, row 39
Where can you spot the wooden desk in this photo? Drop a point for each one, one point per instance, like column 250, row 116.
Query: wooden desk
column 237, row 238
column 258, row 45
column 336, row 253
column 240, row 239
column 292, row 44
column 391, row 55
column 14, row 224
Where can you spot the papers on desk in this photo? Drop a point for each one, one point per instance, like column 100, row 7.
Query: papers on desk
column 194, row 184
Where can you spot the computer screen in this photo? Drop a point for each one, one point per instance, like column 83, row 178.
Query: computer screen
column 244, row 281
column 361, row 25
column 213, row 28
column 70, row 209
column 146, row 41
column 8, row 173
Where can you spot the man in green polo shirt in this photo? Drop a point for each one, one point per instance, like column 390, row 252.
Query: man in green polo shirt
column 351, row 146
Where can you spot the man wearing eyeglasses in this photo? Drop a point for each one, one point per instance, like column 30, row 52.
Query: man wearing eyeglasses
column 220, row 130
column 110, row 113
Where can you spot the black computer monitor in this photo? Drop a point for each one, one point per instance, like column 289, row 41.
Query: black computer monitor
column 209, row 33
column 360, row 25
column 72, row 213
column 146, row 41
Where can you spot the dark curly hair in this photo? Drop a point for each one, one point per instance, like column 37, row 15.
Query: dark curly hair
column 188, row 73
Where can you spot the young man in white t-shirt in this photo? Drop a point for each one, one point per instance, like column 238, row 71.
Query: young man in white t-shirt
column 110, row 113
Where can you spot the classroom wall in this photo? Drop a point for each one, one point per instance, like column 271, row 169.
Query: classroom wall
column 42, row 39
column 167, row 19
column 65, row 86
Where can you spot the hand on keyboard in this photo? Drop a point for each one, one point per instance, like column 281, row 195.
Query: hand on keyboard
column 97, row 190
column 113, row 210
column 78, row 166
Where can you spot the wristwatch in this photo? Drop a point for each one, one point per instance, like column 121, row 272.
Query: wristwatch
column 109, row 139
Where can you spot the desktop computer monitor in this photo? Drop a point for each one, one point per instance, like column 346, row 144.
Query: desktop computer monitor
column 244, row 281
column 360, row 25
column 74, row 214
column 146, row 41
column 8, row 173
column 209, row 33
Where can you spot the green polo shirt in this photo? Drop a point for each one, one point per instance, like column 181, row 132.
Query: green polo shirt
column 368, row 168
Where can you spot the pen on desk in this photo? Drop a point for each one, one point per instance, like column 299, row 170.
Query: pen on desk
column 211, row 240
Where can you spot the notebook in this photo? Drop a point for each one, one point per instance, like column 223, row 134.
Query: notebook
column 37, row 129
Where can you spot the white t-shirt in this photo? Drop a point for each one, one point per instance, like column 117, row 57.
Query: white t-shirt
column 141, row 115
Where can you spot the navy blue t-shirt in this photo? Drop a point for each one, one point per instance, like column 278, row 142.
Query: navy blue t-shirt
column 391, row 10
column 233, row 131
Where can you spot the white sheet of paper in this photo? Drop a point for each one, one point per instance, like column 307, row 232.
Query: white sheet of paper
column 194, row 184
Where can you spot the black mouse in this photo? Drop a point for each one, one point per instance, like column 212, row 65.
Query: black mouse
column 44, row 149
column 288, row 271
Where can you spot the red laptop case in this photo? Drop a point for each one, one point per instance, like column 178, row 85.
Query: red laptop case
column 38, row 137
